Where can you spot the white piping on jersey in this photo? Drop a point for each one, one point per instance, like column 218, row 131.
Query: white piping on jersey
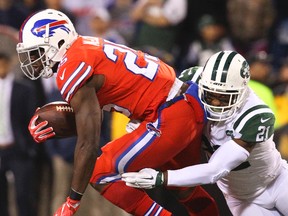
column 127, row 157
column 135, row 149
column 174, row 89
column 72, row 77
column 250, row 115
column 78, row 81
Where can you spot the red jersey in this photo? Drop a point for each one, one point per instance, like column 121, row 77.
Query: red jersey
column 135, row 82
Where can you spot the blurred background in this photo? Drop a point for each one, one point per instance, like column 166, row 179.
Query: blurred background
column 183, row 33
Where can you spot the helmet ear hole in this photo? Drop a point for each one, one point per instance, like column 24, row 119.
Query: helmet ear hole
column 60, row 43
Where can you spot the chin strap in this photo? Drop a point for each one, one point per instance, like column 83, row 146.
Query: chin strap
column 48, row 69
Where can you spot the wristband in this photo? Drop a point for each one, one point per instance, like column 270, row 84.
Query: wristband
column 75, row 195
column 159, row 179
column 165, row 178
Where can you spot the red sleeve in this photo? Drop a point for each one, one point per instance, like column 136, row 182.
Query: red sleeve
column 72, row 76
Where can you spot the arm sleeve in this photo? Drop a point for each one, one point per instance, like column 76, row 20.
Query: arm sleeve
column 226, row 158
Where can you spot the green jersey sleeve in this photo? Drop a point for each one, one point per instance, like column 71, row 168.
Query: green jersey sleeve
column 256, row 124
column 191, row 74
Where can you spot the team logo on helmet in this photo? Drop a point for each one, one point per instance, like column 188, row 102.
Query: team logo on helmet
column 244, row 71
column 39, row 27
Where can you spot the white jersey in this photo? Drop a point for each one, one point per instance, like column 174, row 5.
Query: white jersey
column 253, row 123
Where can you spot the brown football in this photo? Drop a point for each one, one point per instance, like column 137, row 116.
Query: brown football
column 60, row 116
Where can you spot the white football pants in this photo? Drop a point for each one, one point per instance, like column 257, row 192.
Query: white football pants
column 272, row 202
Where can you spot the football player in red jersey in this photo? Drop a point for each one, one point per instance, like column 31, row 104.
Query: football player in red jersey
column 94, row 74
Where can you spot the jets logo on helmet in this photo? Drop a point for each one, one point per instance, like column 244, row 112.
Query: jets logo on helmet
column 39, row 28
column 244, row 72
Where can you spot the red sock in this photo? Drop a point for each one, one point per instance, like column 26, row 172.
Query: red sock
column 132, row 200
column 200, row 203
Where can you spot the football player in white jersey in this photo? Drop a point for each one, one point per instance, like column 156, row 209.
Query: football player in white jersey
column 244, row 161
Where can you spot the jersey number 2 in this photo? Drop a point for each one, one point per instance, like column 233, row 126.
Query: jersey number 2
column 130, row 59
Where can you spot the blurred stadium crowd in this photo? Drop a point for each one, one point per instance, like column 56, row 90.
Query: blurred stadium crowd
column 183, row 33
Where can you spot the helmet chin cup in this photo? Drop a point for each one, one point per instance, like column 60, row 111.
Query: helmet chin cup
column 220, row 116
column 47, row 72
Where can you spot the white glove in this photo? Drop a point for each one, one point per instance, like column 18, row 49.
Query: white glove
column 146, row 178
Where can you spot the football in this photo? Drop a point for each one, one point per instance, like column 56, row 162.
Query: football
column 60, row 117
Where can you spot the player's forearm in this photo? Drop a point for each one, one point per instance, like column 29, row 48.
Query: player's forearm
column 88, row 120
column 86, row 151
column 190, row 176
column 226, row 158
column 84, row 161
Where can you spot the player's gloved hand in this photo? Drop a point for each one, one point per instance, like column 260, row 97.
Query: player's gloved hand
column 39, row 132
column 68, row 208
column 146, row 178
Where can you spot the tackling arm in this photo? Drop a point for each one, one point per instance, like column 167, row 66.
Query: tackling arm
column 226, row 158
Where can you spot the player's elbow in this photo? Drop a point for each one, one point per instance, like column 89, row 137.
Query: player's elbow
column 217, row 172
column 217, row 176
